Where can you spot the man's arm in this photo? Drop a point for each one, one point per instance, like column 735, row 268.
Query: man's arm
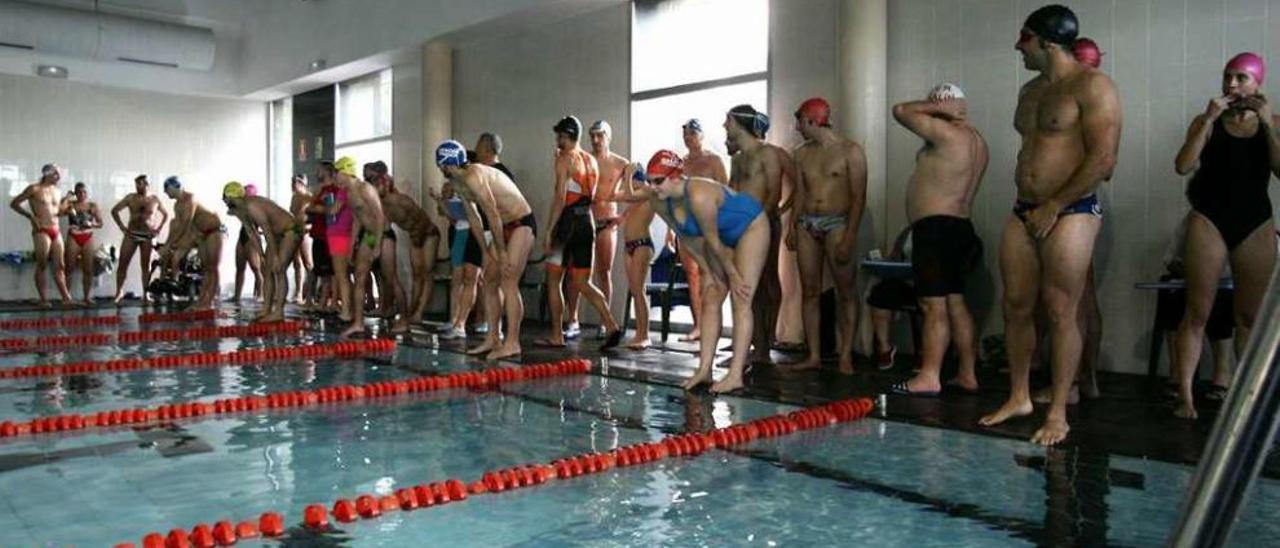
column 181, row 221
column 856, row 167
column 721, row 171
column 922, row 118
column 557, row 198
column 16, row 203
column 1100, row 127
column 95, row 214
column 164, row 215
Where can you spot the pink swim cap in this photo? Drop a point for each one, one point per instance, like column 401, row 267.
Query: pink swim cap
column 250, row 190
column 1251, row 63
column 1087, row 52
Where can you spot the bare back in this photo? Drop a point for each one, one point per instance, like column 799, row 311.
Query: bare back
column 267, row 215
column 829, row 174
column 1053, row 119
column 403, row 211
column 366, row 206
column 298, row 204
column 948, row 172
column 510, row 201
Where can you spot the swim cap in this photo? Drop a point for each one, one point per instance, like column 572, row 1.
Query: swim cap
column 451, row 153
column 816, row 110
column 945, row 91
column 346, row 165
column 1251, row 63
column 569, row 125
column 601, row 126
column 379, row 167
column 1054, row 23
column 751, row 119
column 48, row 169
column 693, row 124
column 637, row 173
column 173, row 182
column 664, row 163
column 1086, row 51
column 250, row 190
column 233, row 190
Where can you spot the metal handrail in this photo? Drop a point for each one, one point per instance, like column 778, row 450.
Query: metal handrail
column 1241, row 436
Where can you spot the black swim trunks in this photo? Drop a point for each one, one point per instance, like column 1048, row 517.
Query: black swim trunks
column 944, row 250
column 321, row 261
column 892, row 294
column 574, row 239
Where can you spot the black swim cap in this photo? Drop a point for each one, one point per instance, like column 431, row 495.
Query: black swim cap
column 1054, row 23
column 751, row 120
column 569, row 125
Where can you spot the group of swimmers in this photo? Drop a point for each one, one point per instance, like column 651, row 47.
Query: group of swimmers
column 731, row 219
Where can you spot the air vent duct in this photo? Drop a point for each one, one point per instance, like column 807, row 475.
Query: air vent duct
column 105, row 37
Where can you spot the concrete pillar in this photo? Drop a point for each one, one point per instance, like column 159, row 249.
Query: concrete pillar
column 863, row 104
column 437, row 106
column 862, row 108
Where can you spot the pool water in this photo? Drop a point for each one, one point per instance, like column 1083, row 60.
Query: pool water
column 874, row 482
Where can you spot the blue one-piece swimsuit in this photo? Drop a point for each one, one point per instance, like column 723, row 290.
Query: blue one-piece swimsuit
column 736, row 213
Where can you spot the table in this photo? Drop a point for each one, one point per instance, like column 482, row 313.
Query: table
column 1157, row 334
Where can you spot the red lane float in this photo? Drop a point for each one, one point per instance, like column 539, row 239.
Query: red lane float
column 151, row 335
column 183, row 316
column 367, row 506
column 52, row 323
column 282, row 400
column 254, row 356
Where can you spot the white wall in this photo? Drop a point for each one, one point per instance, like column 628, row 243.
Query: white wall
column 519, row 84
column 105, row 137
column 1166, row 57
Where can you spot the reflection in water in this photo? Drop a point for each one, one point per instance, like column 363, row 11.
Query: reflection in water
column 1076, row 486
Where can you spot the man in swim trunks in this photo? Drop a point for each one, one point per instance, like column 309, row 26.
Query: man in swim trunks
column 513, row 230
column 698, row 162
column 83, row 217
column 302, row 265
column 757, row 169
column 369, row 227
column 282, row 232
column 605, row 211
column 194, row 226
column 139, row 233
column 571, row 242
column 42, row 210
column 1069, row 118
column 831, row 192
column 945, row 247
column 424, row 237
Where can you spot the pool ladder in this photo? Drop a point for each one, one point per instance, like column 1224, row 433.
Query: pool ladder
column 1241, row 437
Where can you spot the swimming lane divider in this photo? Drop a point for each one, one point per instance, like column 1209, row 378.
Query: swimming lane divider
column 150, row 335
column 98, row 321
column 283, row 400
column 372, row 506
column 254, row 356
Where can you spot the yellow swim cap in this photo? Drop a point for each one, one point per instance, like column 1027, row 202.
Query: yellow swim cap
column 346, row 165
column 233, row 190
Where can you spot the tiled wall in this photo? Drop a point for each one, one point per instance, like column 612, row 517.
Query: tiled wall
column 105, row 137
column 1166, row 57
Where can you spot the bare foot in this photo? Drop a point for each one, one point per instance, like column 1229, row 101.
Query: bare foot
column 344, row 316
column 277, row 316
column 693, row 336
column 484, row 347
column 401, row 327
column 119, row 297
column 507, row 350
column 727, row 384
column 1185, row 410
column 698, row 379
column 351, row 331
column 846, row 366
column 807, row 365
column 920, row 384
column 639, row 343
column 1011, row 409
column 1045, row 395
column 1053, row 432
column 87, row 302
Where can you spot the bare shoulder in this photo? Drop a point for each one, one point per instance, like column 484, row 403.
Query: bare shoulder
column 1095, row 84
column 618, row 159
column 852, row 149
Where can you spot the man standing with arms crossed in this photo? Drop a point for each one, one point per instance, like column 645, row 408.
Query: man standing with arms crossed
column 42, row 200
column 1069, row 118
column 945, row 247
column 830, row 194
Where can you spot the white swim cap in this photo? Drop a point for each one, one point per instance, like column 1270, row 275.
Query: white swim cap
column 944, row 91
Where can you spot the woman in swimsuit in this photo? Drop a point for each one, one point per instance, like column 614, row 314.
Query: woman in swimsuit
column 729, row 238
column 83, row 218
column 1234, row 150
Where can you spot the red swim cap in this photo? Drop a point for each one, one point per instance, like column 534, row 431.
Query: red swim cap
column 1251, row 63
column 815, row 110
column 1087, row 51
column 664, row 163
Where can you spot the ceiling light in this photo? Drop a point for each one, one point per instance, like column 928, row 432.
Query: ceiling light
column 318, row 64
column 52, row 71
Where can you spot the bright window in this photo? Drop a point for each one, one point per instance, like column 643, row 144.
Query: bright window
column 364, row 108
column 367, row 152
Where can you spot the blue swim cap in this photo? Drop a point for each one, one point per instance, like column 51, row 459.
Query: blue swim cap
column 172, row 182
column 451, row 153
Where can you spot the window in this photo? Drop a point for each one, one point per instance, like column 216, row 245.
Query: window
column 280, row 154
column 694, row 59
column 363, row 119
